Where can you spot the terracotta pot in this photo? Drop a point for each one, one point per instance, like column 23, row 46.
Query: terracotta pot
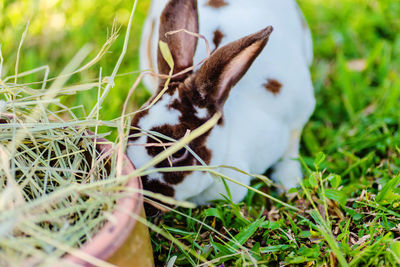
column 126, row 243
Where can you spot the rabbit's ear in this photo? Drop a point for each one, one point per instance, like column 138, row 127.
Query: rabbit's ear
column 177, row 15
column 227, row 65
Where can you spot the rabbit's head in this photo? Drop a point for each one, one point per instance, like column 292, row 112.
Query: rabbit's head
column 191, row 98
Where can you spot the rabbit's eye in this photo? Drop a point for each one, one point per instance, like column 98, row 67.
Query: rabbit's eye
column 179, row 153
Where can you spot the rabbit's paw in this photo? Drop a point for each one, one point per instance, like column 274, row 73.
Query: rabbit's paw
column 288, row 173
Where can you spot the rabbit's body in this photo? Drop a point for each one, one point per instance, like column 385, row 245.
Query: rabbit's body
column 266, row 110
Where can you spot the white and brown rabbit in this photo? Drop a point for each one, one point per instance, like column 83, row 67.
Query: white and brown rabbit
column 264, row 109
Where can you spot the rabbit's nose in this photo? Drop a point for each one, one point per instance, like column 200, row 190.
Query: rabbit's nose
column 151, row 211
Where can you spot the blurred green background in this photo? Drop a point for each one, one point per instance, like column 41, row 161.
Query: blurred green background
column 58, row 29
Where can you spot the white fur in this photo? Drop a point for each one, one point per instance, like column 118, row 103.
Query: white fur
column 160, row 114
column 260, row 129
column 201, row 112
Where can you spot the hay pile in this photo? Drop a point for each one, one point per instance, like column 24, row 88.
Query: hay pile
column 57, row 187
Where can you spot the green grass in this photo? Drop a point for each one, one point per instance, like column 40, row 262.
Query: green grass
column 348, row 210
column 57, row 29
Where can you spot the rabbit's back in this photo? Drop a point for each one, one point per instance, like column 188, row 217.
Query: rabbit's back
column 236, row 19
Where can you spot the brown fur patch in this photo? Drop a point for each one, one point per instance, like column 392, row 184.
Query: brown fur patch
column 157, row 186
column 218, row 35
column 273, row 86
column 217, row 3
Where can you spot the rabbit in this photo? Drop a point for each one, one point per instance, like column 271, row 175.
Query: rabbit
column 265, row 95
